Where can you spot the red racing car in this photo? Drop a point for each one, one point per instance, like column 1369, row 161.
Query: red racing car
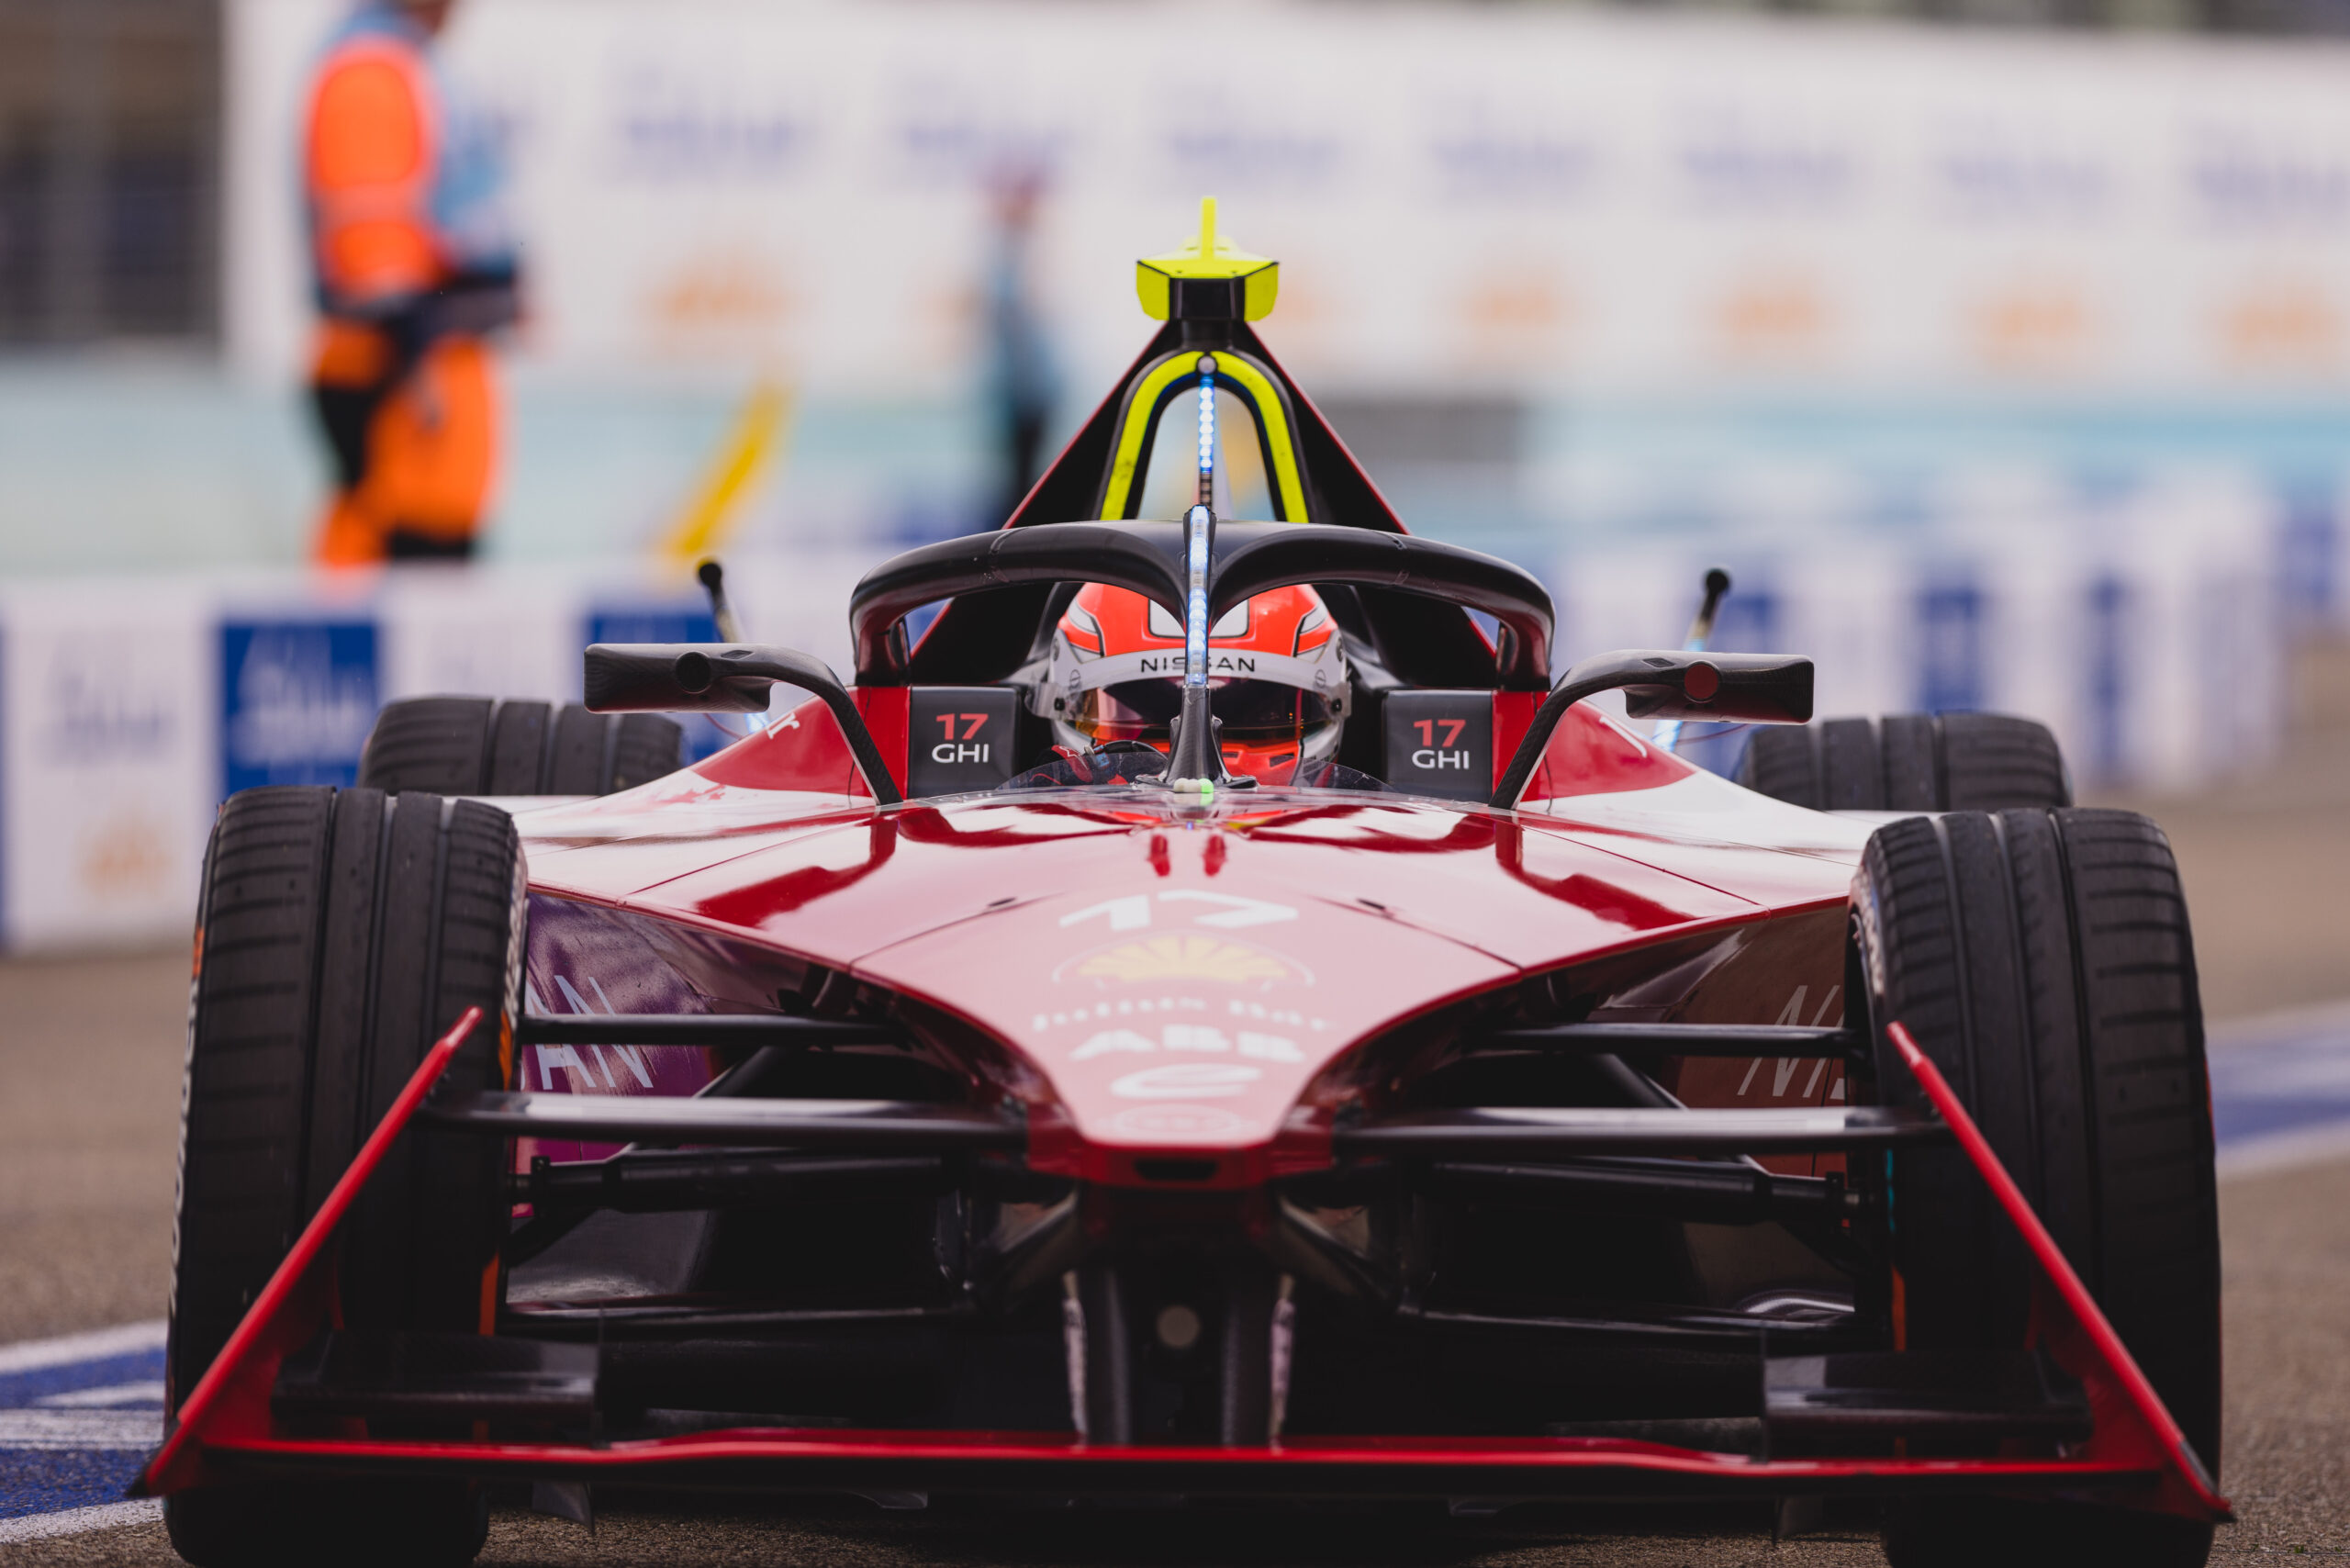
column 1211, row 1019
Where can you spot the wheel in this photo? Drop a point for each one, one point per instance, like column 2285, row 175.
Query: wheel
column 339, row 932
column 2041, row 958
column 480, row 745
column 1910, row 762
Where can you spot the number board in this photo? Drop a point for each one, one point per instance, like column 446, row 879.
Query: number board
column 959, row 738
column 1440, row 742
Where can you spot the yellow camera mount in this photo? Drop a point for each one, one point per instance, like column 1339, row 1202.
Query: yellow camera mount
column 1209, row 279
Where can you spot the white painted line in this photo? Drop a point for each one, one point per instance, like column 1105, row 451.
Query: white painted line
column 99, row 1344
column 2284, row 1150
column 132, row 1431
column 148, row 1393
column 75, row 1521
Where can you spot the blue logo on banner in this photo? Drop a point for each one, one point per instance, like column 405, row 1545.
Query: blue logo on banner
column 297, row 698
column 705, row 733
column 2309, row 551
column 1950, row 648
column 2109, row 610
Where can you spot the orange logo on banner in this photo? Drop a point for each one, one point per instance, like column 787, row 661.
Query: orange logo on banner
column 720, row 296
column 1773, row 318
column 2032, row 328
column 1516, row 318
column 126, row 859
column 2287, row 325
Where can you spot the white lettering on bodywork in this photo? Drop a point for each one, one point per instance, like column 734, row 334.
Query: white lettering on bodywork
column 567, row 1058
column 1110, row 1042
column 1193, row 1037
column 1186, row 1081
column 1238, row 913
column 1198, row 1037
column 1132, row 912
column 1129, row 914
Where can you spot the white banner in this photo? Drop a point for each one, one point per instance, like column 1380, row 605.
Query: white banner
column 1541, row 200
column 108, row 714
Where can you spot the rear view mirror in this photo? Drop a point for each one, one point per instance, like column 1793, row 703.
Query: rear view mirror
column 1758, row 689
column 727, row 677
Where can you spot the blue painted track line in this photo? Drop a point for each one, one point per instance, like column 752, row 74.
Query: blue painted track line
column 2281, row 1090
column 78, row 1416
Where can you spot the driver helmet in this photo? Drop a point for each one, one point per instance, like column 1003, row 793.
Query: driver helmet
column 1276, row 678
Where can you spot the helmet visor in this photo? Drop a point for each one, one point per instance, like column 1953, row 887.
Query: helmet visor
column 1255, row 712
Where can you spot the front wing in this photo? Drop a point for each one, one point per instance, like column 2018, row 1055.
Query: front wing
column 231, row 1426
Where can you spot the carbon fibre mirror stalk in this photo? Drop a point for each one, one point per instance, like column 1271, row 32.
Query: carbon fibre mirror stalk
column 1757, row 689
column 722, row 677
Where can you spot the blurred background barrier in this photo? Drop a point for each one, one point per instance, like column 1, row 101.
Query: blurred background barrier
column 2006, row 366
column 129, row 710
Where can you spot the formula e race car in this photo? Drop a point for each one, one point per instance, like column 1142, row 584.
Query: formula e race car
column 1212, row 1019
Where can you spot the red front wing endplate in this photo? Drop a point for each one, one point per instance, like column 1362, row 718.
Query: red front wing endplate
column 2135, row 1455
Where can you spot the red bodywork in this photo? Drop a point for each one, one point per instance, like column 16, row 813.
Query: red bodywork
column 1188, row 981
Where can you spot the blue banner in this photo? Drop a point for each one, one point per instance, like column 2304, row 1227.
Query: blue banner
column 297, row 698
column 1950, row 648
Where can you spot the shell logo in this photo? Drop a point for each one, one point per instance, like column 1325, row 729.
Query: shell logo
column 1190, row 957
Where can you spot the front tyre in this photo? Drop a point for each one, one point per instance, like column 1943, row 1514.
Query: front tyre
column 339, row 932
column 2041, row 959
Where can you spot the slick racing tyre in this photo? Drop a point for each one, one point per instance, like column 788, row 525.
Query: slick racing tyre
column 339, row 932
column 480, row 745
column 1909, row 762
column 2041, row 959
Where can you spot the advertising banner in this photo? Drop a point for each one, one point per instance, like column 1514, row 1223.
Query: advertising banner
column 298, row 698
column 1544, row 199
column 106, row 742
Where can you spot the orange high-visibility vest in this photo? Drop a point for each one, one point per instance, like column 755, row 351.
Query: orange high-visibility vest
column 370, row 160
column 378, row 174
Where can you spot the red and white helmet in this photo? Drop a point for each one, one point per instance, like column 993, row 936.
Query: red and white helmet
column 1278, row 678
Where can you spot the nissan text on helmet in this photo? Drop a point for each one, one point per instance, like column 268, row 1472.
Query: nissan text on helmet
column 1277, row 680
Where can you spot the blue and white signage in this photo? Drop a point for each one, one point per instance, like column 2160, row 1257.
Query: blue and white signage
column 298, row 698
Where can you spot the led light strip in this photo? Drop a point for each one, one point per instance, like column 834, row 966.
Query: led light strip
column 1201, row 521
column 1207, row 430
column 1195, row 607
